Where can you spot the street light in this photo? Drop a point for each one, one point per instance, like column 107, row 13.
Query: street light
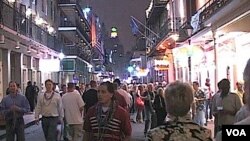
column 189, row 29
column 61, row 57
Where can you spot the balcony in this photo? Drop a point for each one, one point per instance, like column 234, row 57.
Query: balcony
column 161, row 2
column 166, row 28
column 158, row 8
column 72, row 27
column 83, row 53
column 70, row 7
column 17, row 22
column 211, row 8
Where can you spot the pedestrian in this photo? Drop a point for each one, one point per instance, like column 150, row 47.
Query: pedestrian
column 19, row 90
column 246, row 77
column 30, row 95
column 208, row 102
column 90, row 96
column 73, row 106
column 199, row 98
column 14, row 106
column 124, row 93
column 223, row 107
column 107, row 121
column 36, row 91
column 149, row 111
column 179, row 125
column 49, row 105
column 160, row 106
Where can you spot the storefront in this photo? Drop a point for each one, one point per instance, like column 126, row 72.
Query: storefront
column 189, row 62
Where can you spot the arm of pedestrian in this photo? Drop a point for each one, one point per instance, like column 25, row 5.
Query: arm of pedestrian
column 4, row 109
column 25, row 106
column 60, row 108
column 38, row 108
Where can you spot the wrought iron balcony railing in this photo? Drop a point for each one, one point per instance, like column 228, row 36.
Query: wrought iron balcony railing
column 75, row 4
column 16, row 21
column 68, row 1
column 211, row 8
column 171, row 25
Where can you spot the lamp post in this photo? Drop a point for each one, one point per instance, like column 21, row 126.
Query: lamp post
column 189, row 29
column 61, row 57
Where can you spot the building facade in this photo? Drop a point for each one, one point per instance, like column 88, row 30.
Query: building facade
column 28, row 35
column 216, row 47
column 75, row 30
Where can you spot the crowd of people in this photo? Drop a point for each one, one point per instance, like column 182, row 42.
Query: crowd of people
column 177, row 111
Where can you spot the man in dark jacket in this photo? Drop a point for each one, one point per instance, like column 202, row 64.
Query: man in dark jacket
column 30, row 95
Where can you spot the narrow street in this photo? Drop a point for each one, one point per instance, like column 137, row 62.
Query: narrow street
column 35, row 133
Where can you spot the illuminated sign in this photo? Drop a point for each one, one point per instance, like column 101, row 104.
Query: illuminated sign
column 49, row 65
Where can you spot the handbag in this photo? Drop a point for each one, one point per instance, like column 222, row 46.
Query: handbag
column 139, row 102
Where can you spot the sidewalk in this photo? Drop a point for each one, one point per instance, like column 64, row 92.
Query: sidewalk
column 29, row 120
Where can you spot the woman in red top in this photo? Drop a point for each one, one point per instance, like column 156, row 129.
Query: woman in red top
column 107, row 121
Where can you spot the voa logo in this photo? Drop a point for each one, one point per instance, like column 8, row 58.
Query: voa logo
column 236, row 132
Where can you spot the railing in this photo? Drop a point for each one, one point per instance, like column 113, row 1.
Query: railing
column 73, row 2
column 206, row 11
column 18, row 22
column 71, row 50
column 211, row 8
column 171, row 25
column 161, row 2
column 76, row 23
column 68, row 1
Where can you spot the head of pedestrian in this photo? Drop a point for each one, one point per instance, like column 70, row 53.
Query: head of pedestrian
column 12, row 87
column 64, row 88
column 29, row 83
column 179, row 98
column 71, row 87
column 49, row 85
column 196, row 85
column 239, row 85
column 106, row 91
column 207, row 83
column 246, row 77
column 150, row 87
column 224, row 87
column 117, row 82
column 93, row 84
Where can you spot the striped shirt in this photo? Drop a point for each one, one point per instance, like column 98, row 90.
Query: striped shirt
column 118, row 127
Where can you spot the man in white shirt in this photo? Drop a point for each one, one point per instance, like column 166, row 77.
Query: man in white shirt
column 49, row 105
column 73, row 107
column 125, row 94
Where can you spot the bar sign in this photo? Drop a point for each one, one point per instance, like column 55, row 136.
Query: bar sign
column 235, row 132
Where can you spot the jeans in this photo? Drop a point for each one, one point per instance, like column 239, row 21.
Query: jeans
column 49, row 125
column 148, row 119
column 13, row 129
column 200, row 117
column 208, row 103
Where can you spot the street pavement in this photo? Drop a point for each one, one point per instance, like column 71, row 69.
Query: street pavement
column 34, row 132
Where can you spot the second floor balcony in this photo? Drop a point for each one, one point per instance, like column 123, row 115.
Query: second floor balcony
column 11, row 19
column 79, row 51
column 164, row 30
column 74, row 28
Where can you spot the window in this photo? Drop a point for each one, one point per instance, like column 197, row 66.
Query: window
column 51, row 12
column 43, row 5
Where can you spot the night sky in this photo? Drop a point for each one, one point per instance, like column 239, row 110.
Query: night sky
column 117, row 13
